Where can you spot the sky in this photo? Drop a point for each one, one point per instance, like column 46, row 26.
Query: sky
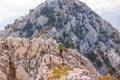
column 13, row 9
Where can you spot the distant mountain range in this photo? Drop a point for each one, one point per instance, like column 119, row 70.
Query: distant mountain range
column 75, row 25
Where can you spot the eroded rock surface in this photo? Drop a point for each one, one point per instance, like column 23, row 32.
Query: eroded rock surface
column 76, row 26
column 23, row 59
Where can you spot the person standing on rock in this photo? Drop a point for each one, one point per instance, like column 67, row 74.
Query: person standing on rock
column 60, row 47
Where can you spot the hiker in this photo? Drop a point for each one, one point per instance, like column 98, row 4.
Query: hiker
column 60, row 47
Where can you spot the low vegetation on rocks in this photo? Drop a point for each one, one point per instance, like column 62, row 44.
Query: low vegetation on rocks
column 59, row 72
column 76, row 25
column 107, row 78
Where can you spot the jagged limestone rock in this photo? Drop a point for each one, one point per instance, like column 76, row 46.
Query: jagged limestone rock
column 76, row 26
column 39, row 66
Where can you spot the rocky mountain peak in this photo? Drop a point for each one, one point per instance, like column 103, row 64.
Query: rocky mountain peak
column 75, row 25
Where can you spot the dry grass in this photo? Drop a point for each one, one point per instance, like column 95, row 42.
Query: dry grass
column 107, row 78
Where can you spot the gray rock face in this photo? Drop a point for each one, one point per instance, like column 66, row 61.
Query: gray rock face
column 77, row 26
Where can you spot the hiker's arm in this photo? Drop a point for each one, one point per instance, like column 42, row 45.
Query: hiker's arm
column 65, row 49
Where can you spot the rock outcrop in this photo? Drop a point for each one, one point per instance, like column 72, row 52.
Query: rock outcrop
column 24, row 59
column 74, row 24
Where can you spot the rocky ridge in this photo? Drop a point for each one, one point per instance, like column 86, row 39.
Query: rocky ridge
column 76, row 26
column 24, row 59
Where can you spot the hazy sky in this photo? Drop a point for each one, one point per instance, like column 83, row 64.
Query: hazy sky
column 12, row 9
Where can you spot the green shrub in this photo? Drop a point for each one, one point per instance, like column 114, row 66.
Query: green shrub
column 92, row 55
column 118, row 41
column 99, row 63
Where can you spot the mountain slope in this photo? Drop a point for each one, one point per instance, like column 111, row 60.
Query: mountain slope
column 77, row 26
column 24, row 59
